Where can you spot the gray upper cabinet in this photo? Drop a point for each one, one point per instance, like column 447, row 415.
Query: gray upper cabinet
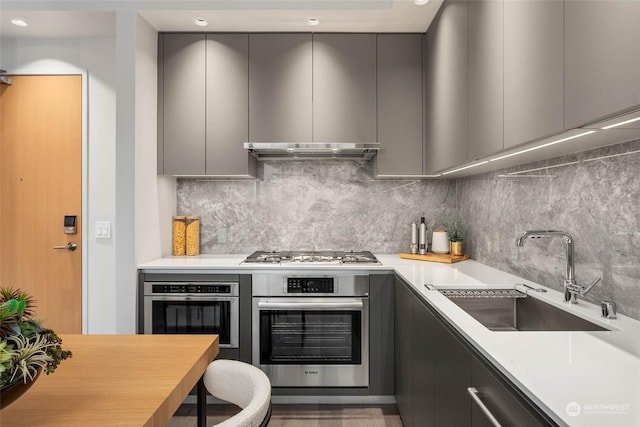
column 602, row 64
column 399, row 104
column 486, row 24
column 445, row 88
column 227, row 111
column 533, row 70
column 280, row 87
column 203, row 111
column 344, row 88
column 182, row 110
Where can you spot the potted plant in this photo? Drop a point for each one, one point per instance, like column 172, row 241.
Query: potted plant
column 26, row 347
column 456, row 237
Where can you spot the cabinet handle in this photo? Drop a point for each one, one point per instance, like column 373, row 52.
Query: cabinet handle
column 473, row 392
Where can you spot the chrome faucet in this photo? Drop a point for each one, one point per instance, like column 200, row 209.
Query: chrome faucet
column 571, row 289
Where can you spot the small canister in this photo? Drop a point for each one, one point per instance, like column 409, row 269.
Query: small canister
column 179, row 235
column 193, row 235
column 440, row 242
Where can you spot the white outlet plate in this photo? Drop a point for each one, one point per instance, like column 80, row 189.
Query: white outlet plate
column 222, row 235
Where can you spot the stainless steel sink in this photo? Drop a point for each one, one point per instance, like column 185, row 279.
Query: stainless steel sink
column 512, row 310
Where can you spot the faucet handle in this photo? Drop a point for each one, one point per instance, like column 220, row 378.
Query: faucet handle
column 588, row 288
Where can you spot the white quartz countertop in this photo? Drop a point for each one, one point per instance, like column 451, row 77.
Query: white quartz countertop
column 578, row 378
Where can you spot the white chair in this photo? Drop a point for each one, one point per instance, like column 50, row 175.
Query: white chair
column 243, row 385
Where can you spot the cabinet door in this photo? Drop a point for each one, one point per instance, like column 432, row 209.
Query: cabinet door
column 414, row 355
column 533, row 70
column 183, row 106
column 485, row 77
column 344, row 88
column 602, row 64
column 403, row 353
column 452, row 377
column 227, row 110
column 499, row 401
column 399, row 104
column 280, row 87
column 445, row 88
column 424, row 366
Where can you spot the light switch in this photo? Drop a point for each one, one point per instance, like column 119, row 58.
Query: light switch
column 103, row 230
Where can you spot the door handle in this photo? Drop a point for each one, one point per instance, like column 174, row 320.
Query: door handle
column 71, row 246
column 355, row 305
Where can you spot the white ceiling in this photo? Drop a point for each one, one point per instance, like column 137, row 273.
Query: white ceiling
column 229, row 15
column 383, row 16
column 57, row 24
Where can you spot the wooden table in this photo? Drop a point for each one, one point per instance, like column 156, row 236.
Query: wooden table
column 116, row 380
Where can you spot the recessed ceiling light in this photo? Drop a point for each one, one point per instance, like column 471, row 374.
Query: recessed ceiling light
column 200, row 22
column 19, row 22
column 314, row 22
column 420, row 2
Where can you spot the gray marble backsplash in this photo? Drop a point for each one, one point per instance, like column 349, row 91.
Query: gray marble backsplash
column 313, row 205
column 594, row 196
column 335, row 204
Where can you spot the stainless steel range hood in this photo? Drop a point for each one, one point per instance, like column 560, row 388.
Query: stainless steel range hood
column 312, row 150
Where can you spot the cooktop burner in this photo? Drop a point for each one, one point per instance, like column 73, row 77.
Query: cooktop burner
column 332, row 257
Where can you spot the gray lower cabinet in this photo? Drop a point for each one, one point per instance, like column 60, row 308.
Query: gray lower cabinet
column 414, row 373
column 498, row 401
column 533, row 70
column 344, row 87
column 203, row 112
column 435, row 367
column 432, row 368
column 602, row 64
column 181, row 112
column 445, row 88
column 280, row 87
column 486, row 70
column 399, row 101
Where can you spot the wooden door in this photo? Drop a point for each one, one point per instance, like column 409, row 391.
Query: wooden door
column 40, row 167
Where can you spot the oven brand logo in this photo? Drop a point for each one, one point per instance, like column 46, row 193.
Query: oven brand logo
column 311, row 372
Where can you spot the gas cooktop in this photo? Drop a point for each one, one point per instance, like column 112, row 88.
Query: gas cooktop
column 316, row 257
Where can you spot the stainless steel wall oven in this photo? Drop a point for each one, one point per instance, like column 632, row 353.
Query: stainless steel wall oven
column 312, row 330
column 208, row 307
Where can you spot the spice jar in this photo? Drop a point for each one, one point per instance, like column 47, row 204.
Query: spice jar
column 193, row 235
column 179, row 235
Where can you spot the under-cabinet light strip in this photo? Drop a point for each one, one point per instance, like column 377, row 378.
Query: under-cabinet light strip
column 542, row 146
column 544, row 168
column 621, row 123
column 465, row 167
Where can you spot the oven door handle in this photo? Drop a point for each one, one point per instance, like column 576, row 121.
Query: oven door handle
column 354, row 305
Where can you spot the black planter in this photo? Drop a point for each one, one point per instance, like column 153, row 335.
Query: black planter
column 11, row 392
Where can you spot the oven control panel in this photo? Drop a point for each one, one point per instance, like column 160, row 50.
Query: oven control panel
column 191, row 288
column 310, row 285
